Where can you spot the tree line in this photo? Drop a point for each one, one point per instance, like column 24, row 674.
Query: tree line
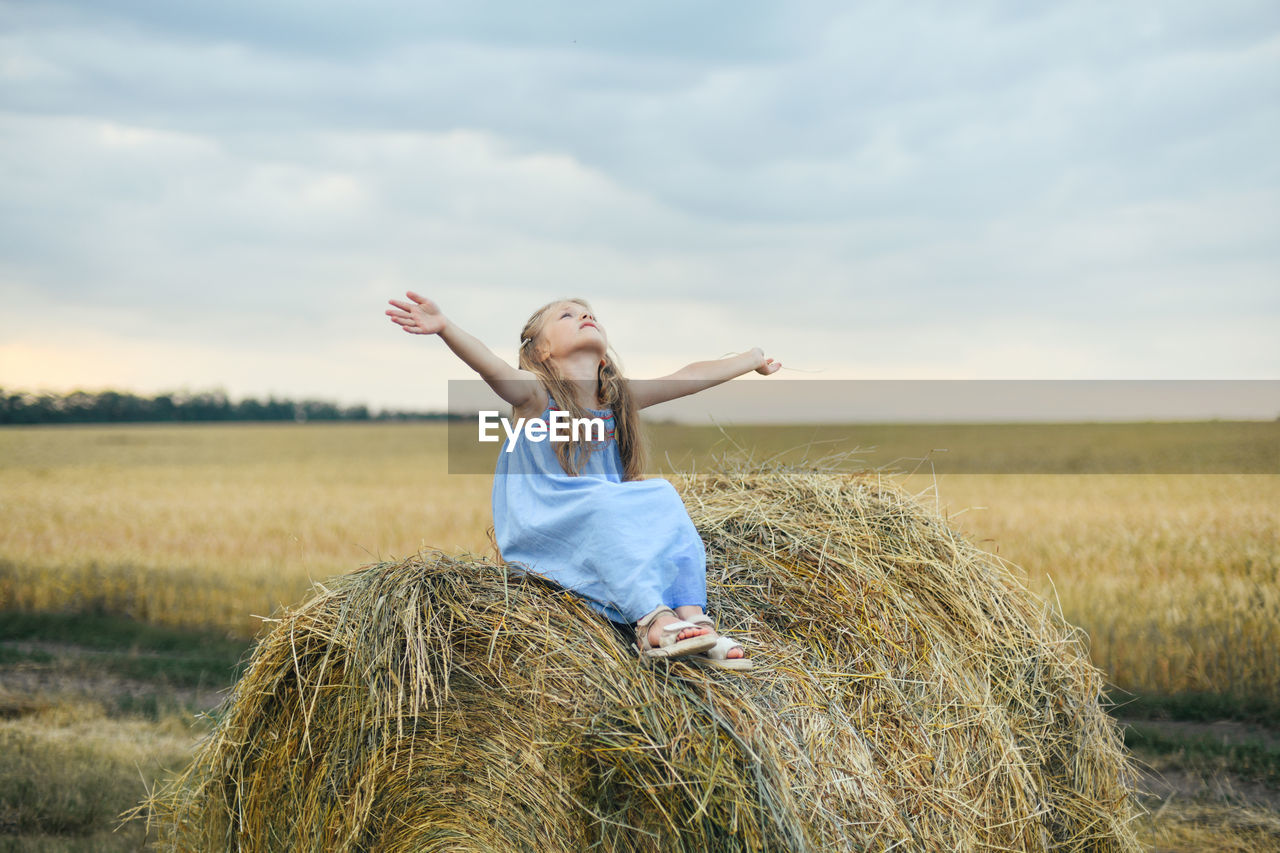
column 79, row 407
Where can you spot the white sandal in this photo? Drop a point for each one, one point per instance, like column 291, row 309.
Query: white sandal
column 669, row 646
column 718, row 655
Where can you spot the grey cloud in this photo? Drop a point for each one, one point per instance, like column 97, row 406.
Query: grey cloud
column 721, row 30
column 880, row 161
column 887, row 114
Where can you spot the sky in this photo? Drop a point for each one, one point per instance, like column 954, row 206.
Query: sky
column 225, row 195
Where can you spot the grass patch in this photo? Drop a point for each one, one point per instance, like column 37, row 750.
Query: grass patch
column 1198, row 707
column 11, row 655
column 67, row 775
column 152, row 705
column 123, row 647
column 126, row 840
column 1204, row 753
column 113, row 632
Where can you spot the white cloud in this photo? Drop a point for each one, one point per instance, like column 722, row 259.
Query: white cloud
column 871, row 190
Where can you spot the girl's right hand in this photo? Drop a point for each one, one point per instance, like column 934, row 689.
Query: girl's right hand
column 419, row 317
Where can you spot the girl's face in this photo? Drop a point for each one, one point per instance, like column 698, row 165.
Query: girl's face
column 570, row 327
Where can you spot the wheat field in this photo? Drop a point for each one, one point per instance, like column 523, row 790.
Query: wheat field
column 1175, row 577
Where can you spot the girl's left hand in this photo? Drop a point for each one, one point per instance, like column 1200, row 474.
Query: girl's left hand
column 768, row 365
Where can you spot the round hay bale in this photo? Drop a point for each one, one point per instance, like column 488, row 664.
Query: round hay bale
column 909, row 693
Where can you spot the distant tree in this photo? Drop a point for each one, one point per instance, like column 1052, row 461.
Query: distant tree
column 25, row 407
column 250, row 409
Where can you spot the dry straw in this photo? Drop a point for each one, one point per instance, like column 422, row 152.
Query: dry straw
column 909, row 694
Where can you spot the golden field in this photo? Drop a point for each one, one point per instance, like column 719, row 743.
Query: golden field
column 1173, row 576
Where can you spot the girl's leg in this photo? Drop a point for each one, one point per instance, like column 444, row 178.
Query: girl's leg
column 685, row 579
column 641, row 593
column 689, row 586
column 688, row 594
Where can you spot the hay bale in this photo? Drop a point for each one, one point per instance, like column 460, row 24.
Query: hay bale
column 909, row 693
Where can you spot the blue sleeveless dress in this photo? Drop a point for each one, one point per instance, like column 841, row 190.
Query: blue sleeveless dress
column 624, row 547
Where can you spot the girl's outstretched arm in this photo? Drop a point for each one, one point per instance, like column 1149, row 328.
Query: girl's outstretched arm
column 421, row 316
column 700, row 376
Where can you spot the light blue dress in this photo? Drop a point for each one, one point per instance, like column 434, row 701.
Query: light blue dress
column 624, row 547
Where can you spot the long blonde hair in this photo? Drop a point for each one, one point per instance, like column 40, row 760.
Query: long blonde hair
column 613, row 391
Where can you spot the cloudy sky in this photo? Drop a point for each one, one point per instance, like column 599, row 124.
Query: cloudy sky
column 226, row 194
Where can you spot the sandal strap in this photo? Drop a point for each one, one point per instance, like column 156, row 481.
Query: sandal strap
column 724, row 645
column 670, row 634
column 642, row 626
column 703, row 619
column 646, row 620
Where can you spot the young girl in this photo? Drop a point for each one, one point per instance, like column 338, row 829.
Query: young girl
column 581, row 513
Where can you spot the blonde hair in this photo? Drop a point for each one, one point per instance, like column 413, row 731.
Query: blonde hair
column 613, row 391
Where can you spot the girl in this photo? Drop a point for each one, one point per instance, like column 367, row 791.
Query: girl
column 580, row 513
